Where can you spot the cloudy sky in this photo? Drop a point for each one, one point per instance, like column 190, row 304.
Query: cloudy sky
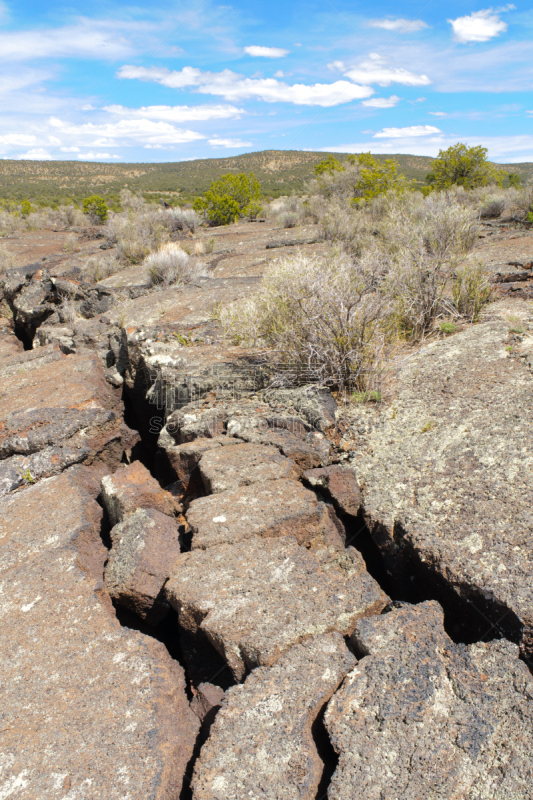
column 112, row 81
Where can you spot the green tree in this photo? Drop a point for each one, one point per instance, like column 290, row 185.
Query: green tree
column 460, row 165
column 229, row 197
column 96, row 209
column 26, row 208
column 378, row 177
column 329, row 165
column 514, row 180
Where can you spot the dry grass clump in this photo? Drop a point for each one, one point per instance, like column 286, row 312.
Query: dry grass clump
column 136, row 234
column 471, row 290
column 170, row 265
column 99, row 267
column 71, row 244
column 320, row 316
column 290, row 212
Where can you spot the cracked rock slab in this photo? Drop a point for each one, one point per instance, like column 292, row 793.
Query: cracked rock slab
column 144, row 548
column 184, row 458
column 420, row 716
column 132, row 487
column 273, row 508
column 446, row 472
column 88, row 709
column 261, row 743
column 242, row 465
column 257, row 598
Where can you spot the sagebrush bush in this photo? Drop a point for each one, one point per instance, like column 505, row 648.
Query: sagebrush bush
column 492, row 209
column 137, row 234
column 99, row 267
column 171, row 265
column 471, row 290
column 70, row 245
column 320, row 316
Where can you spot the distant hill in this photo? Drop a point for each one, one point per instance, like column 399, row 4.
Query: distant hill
column 279, row 172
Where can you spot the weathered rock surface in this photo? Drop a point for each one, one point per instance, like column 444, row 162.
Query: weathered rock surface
column 184, row 458
column 340, row 486
column 420, row 716
column 132, row 487
column 273, row 508
column 144, row 548
column 261, row 743
column 88, row 709
column 242, row 465
column 447, row 472
column 309, row 451
column 256, row 598
column 56, row 411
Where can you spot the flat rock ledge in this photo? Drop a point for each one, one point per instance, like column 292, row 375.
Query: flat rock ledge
column 420, row 716
column 273, row 508
column 257, row 598
column 261, row 743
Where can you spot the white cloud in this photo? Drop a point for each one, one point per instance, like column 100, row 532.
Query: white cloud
column 235, row 87
column 401, row 133
column 70, row 149
column 438, row 113
column 36, row 154
column 480, row 26
column 228, row 143
column 266, row 52
column 178, row 113
column 382, row 102
column 19, row 139
column 83, row 156
column 375, row 70
column 402, row 25
column 503, row 149
column 86, row 39
column 279, row 74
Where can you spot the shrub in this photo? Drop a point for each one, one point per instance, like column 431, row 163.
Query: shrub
column 425, row 240
column 514, row 180
column 137, row 234
column 99, row 267
column 26, row 208
column 320, row 316
column 170, row 265
column 471, row 290
column 180, row 219
column 492, row 209
column 463, row 166
column 229, row 197
column 95, row 208
column 70, row 245
column 362, row 178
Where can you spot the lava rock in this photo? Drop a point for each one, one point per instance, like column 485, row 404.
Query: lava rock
column 273, row 509
column 144, row 548
column 132, row 487
column 257, row 598
column 261, row 743
column 339, row 484
column 227, row 468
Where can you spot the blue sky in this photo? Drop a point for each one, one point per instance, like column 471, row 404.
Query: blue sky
column 112, row 81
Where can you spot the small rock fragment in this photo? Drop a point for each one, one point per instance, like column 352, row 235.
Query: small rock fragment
column 144, row 548
column 261, row 743
column 132, row 487
column 206, row 702
column 257, row 598
column 339, row 484
column 273, row 508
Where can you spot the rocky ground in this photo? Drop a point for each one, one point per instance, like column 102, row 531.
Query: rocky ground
column 217, row 590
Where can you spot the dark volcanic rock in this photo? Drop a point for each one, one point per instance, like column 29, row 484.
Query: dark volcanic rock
column 206, row 702
column 273, row 508
column 261, row 743
column 422, row 717
column 184, row 458
column 144, row 548
column 227, row 468
column 132, row 487
column 88, row 709
column 256, row 598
